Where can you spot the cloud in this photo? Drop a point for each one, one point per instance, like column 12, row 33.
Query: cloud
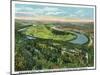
column 24, row 12
column 22, row 9
column 79, row 12
column 54, row 13
column 37, row 9
column 50, row 9
column 46, row 10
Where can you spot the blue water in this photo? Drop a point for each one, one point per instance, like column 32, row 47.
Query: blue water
column 81, row 39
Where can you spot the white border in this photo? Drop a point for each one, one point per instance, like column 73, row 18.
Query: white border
column 13, row 37
column 48, row 70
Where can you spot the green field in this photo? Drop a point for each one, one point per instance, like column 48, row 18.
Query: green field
column 44, row 32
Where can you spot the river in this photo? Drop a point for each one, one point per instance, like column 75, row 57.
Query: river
column 81, row 38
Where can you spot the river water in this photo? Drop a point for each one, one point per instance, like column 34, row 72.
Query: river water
column 81, row 38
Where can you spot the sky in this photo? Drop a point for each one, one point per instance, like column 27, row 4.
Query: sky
column 30, row 10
